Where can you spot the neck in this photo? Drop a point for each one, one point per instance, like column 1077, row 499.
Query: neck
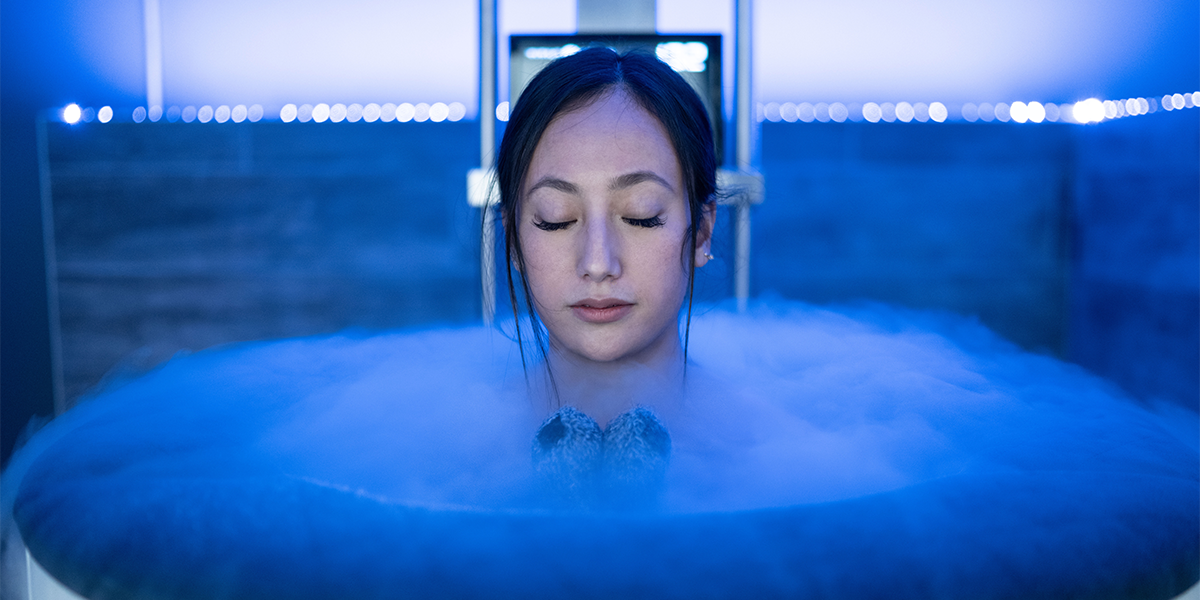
column 604, row 390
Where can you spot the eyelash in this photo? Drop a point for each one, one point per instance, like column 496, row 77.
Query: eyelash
column 650, row 223
column 547, row 226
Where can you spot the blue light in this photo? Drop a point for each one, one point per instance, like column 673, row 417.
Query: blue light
column 872, row 112
column 71, row 114
column 438, row 112
column 320, row 113
column 405, row 112
column 938, row 112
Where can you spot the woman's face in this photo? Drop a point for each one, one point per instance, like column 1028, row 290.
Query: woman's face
column 602, row 224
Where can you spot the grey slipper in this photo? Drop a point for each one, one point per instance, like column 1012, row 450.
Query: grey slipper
column 567, row 455
column 637, row 451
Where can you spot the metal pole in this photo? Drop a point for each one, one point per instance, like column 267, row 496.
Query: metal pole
column 487, row 147
column 49, row 245
column 744, row 149
column 152, row 32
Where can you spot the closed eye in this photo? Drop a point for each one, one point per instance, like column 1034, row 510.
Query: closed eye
column 656, row 221
column 548, row 226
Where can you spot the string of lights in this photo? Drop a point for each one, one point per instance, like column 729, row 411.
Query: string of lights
column 1092, row 110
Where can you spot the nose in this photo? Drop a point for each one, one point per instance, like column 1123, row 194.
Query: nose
column 600, row 258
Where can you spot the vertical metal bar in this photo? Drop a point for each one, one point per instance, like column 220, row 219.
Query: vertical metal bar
column 487, row 147
column 152, row 27
column 28, row 575
column 743, row 101
column 742, row 256
column 52, row 307
column 744, row 146
column 487, row 82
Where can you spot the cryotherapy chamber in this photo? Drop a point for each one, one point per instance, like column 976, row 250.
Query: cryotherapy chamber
column 198, row 228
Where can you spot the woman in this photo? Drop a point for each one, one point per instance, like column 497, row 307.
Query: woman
column 607, row 183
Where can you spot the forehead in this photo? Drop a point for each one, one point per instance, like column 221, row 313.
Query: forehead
column 612, row 135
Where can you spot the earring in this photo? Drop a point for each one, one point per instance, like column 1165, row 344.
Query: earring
column 708, row 256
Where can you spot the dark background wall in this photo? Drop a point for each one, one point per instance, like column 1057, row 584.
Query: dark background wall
column 38, row 69
column 1136, row 254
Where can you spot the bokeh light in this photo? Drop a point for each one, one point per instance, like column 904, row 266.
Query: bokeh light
column 1089, row 111
column 1018, row 112
column 239, row 113
column 502, row 111
column 1003, row 112
column 320, row 113
column 71, row 114
column 139, row 114
column 371, row 113
column 805, row 112
column 970, row 112
column 155, row 113
column 287, row 114
column 387, row 112
column 887, row 111
column 405, row 112
column 221, row 114
column 770, row 112
column 457, row 110
column 938, row 112
column 787, row 112
column 1035, row 112
column 421, row 112
column 354, row 113
column 921, row 112
column 337, row 113
column 987, row 112
column 904, row 112
column 188, row 114
column 871, row 112
column 438, row 111
column 105, row 114
column 821, row 112
column 838, row 112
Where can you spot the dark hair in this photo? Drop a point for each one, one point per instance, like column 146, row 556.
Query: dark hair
column 572, row 82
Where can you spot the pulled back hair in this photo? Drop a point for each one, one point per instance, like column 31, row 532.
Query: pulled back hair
column 573, row 82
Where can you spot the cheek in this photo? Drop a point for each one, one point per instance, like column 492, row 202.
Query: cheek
column 544, row 261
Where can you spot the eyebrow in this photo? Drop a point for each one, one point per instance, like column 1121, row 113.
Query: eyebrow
column 631, row 179
column 625, row 181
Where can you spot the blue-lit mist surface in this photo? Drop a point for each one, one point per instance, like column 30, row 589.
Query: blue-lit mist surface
column 815, row 446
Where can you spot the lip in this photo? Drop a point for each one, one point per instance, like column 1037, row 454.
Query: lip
column 604, row 310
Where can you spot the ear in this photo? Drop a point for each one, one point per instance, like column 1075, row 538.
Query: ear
column 704, row 236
